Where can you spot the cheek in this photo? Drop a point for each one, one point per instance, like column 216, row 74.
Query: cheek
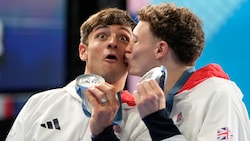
column 141, row 53
column 95, row 51
column 96, row 47
column 136, row 54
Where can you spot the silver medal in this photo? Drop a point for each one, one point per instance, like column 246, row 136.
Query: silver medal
column 158, row 73
column 82, row 83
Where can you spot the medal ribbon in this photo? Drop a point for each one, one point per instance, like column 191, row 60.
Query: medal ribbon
column 118, row 117
column 178, row 85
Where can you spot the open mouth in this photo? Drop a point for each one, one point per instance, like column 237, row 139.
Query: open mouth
column 111, row 57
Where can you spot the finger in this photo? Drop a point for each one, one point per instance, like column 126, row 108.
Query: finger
column 154, row 84
column 155, row 88
column 143, row 88
column 157, row 94
column 109, row 91
column 98, row 94
column 91, row 98
column 104, row 99
column 136, row 96
column 149, row 87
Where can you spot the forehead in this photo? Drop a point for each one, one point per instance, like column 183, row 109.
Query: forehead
column 142, row 28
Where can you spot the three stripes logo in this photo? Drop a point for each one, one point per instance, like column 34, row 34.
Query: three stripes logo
column 54, row 124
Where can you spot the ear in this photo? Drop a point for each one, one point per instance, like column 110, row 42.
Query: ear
column 161, row 50
column 83, row 53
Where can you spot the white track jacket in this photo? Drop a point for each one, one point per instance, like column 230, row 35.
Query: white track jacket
column 57, row 115
column 208, row 107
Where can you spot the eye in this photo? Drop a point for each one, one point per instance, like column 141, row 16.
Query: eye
column 101, row 36
column 124, row 38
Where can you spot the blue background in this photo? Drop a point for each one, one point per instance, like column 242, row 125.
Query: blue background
column 34, row 45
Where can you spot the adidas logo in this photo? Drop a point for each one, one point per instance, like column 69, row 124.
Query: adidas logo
column 54, row 124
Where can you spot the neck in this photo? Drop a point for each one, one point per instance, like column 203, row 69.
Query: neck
column 174, row 73
column 119, row 84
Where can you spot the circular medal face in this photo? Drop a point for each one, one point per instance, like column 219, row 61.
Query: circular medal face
column 87, row 80
column 82, row 83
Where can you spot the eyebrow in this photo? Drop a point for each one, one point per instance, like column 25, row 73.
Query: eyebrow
column 100, row 26
column 107, row 26
column 123, row 28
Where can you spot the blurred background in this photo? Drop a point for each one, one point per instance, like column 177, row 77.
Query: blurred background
column 39, row 44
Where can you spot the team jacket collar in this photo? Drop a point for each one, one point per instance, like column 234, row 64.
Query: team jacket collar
column 211, row 70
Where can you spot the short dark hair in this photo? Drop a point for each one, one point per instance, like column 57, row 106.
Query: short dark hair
column 108, row 16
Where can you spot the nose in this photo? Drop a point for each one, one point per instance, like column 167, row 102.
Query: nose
column 112, row 45
column 112, row 42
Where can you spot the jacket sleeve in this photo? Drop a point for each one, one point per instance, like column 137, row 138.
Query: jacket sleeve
column 17, row 131
column 161, row 127
column 107, row 135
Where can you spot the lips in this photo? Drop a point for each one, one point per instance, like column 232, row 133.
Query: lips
column 111, row 57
